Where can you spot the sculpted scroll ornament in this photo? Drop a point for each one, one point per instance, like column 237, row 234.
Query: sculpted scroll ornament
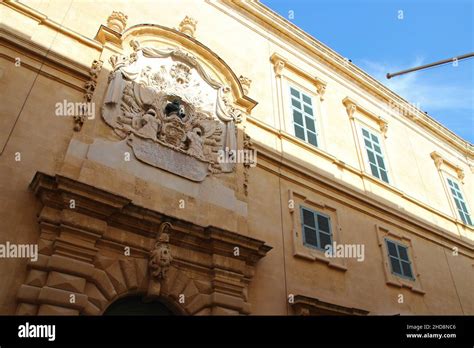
column 170, row 111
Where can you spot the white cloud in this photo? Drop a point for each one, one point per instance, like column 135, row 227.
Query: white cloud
column 424, row 92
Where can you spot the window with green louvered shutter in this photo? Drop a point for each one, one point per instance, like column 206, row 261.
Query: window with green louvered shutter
column 316, row 228
column 304, row 122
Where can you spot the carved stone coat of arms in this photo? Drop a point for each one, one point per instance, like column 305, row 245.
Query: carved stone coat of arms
column 171, row 112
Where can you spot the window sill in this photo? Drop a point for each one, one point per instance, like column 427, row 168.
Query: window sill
column 314, row 255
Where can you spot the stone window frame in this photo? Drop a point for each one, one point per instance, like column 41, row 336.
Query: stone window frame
column 400, row 259
column 391, row 278
column 306, row 252
column 359, row 118
column 317, row 125
column 284, row 81
column 457, row 187
column 364, row 149
column 447, row 169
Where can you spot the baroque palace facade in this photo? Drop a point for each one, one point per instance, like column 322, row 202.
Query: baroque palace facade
column 209, row 157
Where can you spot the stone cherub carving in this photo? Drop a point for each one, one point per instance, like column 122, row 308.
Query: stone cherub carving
column 194, row 141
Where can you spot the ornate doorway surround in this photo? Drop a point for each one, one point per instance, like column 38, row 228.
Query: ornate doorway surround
column 106, row 247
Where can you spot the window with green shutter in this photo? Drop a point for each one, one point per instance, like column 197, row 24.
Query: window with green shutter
column 375, row 155
column 304, row 122
column 461, row 204
column 399, row 260
column 316, row 228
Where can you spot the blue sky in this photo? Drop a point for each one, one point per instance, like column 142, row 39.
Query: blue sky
column 371, row 34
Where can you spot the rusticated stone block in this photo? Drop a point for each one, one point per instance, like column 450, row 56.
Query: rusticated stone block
column 114, row 272
column 129, row 273
column 204, row 287
column 41, row 263
column 141, row 266
column 227, row 300
column 26, row 309
column 66, row 282
column 90, row 309
column 28, row 293
column 199, row 302
column 36, row 278
column 190, row 291
column 223, row 311
column 95, row 296
column 169, row 280
column 100, row 278
column 45, row 246
column 46, row 309
column 70, row 266
column 204, row 311
column 62, row 298
column 179, row 284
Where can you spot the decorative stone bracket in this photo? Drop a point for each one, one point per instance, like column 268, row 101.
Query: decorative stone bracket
column 441, row 162
column 83, row 256
column 112, row 32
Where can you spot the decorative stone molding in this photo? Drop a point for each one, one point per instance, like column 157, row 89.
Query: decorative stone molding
column 280, row 63
column 188, row 26
column 89, row 87
column 320, row 87
column 246, row 82
column 440, row 162
column 304, row 305
column 390, row 278
column 159, row 36
column 248, row 146
column 81, row 253
column 171, row 108
column 352, row 107
column 117, row 21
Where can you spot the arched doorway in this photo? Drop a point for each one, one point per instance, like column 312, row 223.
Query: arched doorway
column 134, row 305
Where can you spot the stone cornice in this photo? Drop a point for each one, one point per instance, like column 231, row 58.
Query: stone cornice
column 44, row 20
column 277, row 24
column 105, row 34
column 117, row 211
column 44, row 59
